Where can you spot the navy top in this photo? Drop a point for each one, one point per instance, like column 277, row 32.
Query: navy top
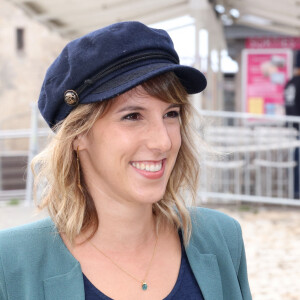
column 186, row 286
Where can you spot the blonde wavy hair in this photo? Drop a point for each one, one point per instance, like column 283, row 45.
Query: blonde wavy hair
column 55, row 169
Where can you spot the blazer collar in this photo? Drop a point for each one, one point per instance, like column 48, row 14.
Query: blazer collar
column 205, row 268
column 207, row 273
column 69, row 285
column 67, row 281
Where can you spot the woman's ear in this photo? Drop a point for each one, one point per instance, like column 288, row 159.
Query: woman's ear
column 79, row 142
column 76, row 144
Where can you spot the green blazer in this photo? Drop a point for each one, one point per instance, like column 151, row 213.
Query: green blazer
column 35, row 263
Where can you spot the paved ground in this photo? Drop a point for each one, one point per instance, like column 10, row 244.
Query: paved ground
column 272, row 240
column 17, row 215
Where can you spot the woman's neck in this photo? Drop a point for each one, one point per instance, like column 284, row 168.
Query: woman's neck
column 123, row 224
column 125, row 229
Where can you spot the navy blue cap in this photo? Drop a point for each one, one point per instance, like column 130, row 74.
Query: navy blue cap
column 108, row 62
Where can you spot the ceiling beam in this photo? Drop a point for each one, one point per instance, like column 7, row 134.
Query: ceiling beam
column 104, row 15
column 239, row 31
column 275, row 7
column 270, row 3
column 71, row 3
column 54, row 9
column 273, row 28
column 165, row 14
column 147, row 18
column 275, row 17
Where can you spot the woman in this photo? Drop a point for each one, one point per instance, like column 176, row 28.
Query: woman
column 115, row 170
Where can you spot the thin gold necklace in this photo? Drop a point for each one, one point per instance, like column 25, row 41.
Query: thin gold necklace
column 143, row 282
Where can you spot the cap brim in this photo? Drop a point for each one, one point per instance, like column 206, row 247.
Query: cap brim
column 191, row 79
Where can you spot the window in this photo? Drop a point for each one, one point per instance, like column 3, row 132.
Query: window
column 20, row 39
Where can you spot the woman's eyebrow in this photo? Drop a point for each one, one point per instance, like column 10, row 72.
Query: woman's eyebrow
column 174, row 105
column 131, row 108
column 141, row 108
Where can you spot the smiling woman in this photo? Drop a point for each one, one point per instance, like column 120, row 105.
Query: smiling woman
column 115, row 173
column 127, row 119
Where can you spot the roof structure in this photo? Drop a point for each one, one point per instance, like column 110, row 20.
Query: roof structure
column 272, row 15
column 228, row 22
column 73, row 18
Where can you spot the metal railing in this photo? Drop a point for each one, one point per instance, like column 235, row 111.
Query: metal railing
column 259, row 158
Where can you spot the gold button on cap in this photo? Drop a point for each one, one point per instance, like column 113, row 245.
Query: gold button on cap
column 71, row 97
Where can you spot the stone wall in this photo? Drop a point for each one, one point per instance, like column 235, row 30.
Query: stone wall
column 22, row 71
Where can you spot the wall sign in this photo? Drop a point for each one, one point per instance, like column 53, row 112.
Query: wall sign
column 273, row 43
column 265, row 72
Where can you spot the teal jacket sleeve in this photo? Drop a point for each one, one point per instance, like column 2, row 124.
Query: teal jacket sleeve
column 3, row 293
column 242, row 266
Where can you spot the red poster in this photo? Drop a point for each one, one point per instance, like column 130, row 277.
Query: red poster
column 265, row 73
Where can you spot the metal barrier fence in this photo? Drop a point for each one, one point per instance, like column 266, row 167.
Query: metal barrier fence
column 259, row 158
column 14, row 164
column 17, row 148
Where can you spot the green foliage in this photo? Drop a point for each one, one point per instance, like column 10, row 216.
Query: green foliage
column 14, row 201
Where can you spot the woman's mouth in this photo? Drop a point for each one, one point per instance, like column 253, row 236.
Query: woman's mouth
column 150, row 169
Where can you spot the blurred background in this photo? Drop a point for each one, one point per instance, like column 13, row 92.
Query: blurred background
column 250, row 111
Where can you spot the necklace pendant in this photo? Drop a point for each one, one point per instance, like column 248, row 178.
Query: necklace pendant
column 144, row 286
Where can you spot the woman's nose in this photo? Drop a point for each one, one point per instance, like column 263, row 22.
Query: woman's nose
column 158, row 137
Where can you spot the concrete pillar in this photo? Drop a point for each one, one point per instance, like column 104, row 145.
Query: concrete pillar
column 197, row 98
column 32, row 152
column 220, row 87
column 205, row 18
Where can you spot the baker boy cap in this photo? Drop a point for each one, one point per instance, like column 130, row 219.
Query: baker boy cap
column 108, row 62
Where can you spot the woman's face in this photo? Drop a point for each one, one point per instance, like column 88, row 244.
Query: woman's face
column 130, row 152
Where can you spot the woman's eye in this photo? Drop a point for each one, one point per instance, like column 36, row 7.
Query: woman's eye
column 172, row 114
column 132, row 117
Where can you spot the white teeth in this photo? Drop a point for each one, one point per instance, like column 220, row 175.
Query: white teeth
column 158, row 167
column 148, row 167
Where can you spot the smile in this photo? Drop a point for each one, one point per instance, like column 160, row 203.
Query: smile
column 148, row 166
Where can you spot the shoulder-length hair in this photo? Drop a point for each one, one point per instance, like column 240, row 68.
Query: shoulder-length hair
column 71, row 207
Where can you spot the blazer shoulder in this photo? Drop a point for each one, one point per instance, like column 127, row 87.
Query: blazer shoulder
column 36, row 255
column 27, row 231
column 27, row 238
column 218, row 230
column 23, row 248
column 208, row 217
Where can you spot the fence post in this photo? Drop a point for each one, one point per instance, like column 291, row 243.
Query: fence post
column 33, row 149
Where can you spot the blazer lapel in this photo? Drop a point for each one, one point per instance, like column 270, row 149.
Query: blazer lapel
column 65, row 286
column 206, row 270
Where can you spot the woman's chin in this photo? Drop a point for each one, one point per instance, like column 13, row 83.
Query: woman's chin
column 149, row 199
column 152, row 194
